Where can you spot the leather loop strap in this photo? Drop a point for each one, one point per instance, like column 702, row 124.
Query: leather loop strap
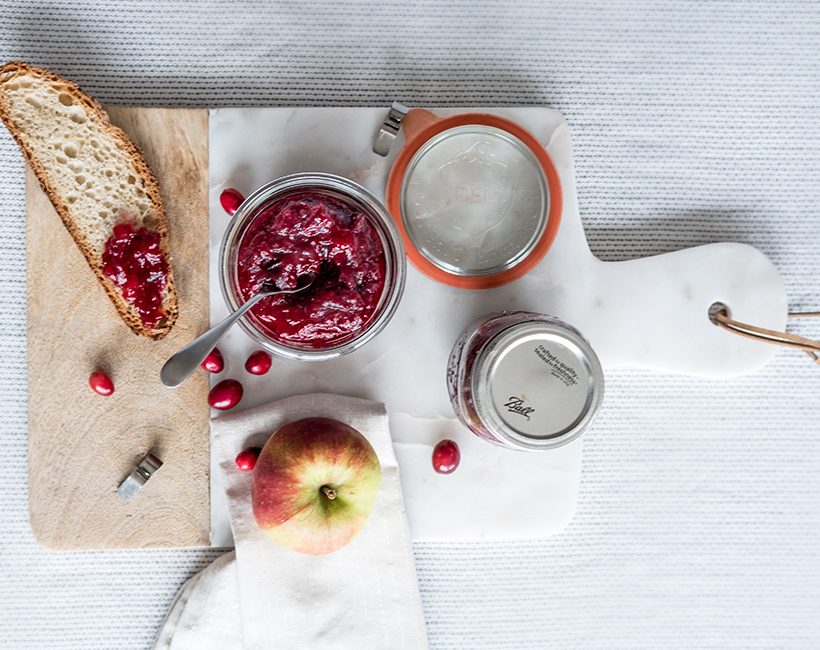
column 722, row 319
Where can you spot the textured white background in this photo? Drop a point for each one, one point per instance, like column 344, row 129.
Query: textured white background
column 698, row 523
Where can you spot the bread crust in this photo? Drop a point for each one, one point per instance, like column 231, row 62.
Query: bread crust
column 156, row 222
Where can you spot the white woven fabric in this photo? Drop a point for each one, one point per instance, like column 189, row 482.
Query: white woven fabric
column 205, row 614
column 698, row 518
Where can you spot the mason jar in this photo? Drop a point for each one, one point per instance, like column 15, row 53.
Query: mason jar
column 337, row 191
column 524, row 380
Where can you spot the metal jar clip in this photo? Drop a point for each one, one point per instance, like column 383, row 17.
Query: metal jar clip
column 139, row 476
column 389, row 129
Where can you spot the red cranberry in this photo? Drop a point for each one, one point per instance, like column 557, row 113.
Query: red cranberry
column 101, row 383
column 446, row 457
column 258, row 363
column 231, row 199
column 246, row 460
column 214, row 361
column 225, row 395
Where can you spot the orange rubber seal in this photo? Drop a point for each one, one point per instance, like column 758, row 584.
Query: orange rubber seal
column 419, row 126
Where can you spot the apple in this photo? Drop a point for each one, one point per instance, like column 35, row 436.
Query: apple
column 314, row 485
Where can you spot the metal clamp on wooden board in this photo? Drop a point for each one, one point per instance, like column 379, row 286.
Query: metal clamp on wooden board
column 139, row 476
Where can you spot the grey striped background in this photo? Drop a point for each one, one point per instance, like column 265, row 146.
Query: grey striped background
column 698, row 523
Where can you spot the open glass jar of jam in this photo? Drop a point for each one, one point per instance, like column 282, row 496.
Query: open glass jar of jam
column 524, row 380
column 323, row 231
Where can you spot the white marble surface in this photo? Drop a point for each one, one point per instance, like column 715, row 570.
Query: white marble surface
column 649, row 313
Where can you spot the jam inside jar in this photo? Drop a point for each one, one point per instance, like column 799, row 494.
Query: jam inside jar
column 317, row 239
column 331, row 238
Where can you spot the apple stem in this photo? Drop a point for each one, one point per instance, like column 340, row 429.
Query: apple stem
column 329, row 492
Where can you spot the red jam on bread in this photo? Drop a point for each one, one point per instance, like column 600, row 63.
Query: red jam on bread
column 134, row 262
column 311, row 237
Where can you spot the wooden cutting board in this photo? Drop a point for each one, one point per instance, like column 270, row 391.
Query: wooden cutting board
column 81, row 445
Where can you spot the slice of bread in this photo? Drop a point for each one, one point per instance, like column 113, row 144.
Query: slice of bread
column 93, row 174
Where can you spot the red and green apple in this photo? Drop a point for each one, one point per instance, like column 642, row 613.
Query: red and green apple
column 314, row 485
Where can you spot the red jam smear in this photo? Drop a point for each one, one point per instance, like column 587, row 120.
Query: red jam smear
column 312, row 237
column 133, row 261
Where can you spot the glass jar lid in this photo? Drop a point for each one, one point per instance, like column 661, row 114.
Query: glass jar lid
column 474, row 200
column 476, row 196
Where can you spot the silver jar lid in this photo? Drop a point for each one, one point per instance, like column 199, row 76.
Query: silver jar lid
column 537, row 385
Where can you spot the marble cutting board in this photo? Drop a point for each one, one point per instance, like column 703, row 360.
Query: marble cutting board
column 649, row 313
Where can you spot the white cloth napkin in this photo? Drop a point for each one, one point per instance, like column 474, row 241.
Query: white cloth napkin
column 205, row 613
column 365, row 595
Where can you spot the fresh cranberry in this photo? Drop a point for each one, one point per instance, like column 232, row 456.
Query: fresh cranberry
column 101, row 383
column 246, row 460
column 231, row 199
column 214, row 362
column 133, row 261
column 317, row 237
column 258, row 363
column 225, row 395
column 446, row 457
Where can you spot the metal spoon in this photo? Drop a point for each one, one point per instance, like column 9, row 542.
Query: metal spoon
column 182, row 364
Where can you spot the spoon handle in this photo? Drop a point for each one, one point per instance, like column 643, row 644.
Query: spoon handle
column 183, row 364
